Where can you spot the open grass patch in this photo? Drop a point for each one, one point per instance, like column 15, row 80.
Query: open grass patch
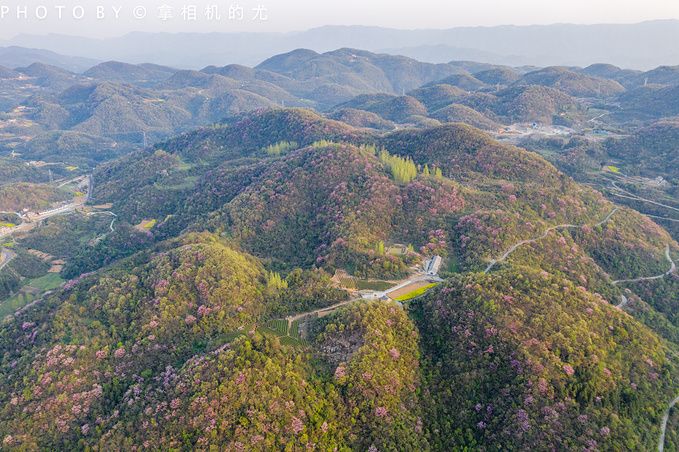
column 186, row 183
column 377, row 285
column 288, row 336
column 416, row 293
column 30, row 291
column 48, row 282
column 10, row 305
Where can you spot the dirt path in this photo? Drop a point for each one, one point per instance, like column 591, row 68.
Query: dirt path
column 514, row 247
column 321, row 310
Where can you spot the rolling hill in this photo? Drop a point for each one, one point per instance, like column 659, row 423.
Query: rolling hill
column 181, row 345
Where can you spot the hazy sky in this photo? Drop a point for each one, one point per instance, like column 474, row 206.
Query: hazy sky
column 42, row 16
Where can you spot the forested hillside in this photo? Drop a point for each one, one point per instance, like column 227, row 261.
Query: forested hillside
column 338, row 251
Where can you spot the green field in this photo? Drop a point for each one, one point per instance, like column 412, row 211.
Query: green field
column 48, row 282
column 279, row 327
column 29, row 292
column 348, row 282
column 397, row 250
column 364, row 284
column 150, row 224
column 416, row 293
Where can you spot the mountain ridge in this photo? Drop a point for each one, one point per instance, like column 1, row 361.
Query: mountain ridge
column 528, row 44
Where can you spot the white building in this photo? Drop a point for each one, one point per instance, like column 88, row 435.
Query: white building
column 433, row 265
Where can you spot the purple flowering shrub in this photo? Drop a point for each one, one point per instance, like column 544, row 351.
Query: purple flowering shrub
column 526, row 359
column 373, row 351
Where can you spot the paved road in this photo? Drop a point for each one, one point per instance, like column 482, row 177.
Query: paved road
column 334, row 307
column 23, row 309
column 514, row 247
column 673, row 269
column 70, row 181
column 662, row 218
column 78, row 202
column 629, row 195
column 624, row 299
column 23, row 227
column 663, row 427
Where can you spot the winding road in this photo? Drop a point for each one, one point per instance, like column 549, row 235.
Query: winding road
column 663, row 426
column 623, row 299
column 629, row 195
column 115, row 217
column 514, row 247
column 673, row 269
column 662, row 218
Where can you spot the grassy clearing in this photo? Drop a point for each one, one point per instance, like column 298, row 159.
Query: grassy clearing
column 150, row 224
column 186, row 183
column 279, row 327
column 18, row 301
column 30, row 292
column 363, row 284
column 348, row 282
column 453, row 264
column 397, row 250
column 416, row 293
column 48, row 282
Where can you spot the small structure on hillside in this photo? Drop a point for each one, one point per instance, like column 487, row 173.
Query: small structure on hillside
column 373, row 295
column 433, row 265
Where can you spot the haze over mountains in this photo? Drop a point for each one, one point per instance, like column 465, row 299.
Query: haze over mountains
column 636, row 46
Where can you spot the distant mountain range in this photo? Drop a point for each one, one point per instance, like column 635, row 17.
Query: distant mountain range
column 14, row 57
column 49, row 112
column 636, row 46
